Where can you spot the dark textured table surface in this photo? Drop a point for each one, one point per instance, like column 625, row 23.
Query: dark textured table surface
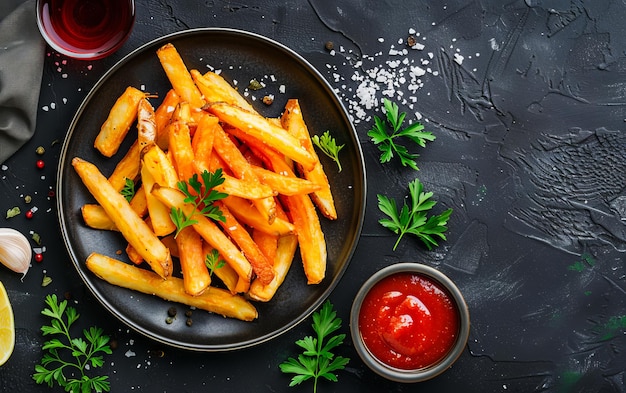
column 527, row 100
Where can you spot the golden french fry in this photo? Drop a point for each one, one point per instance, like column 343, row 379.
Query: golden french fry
column 260, row 265
column 267, row 243
column 134, row 229
column 170, row 242
column 310, row 237
column 226, row 273
column 306, row 222
column 146, row 124
column 95, row 217
column 121, row 117
column 162, row 116
column 162, row 223
column 248, row 214
column 293, row 121
column 202, row 142
column 242, row 169
column 215, row 88
column 263, row 129
column 179, row 76
column 196, row 278
column 183, row 113
column 157, row 162
column 133, row 255
column 285, row 185
column 285, row 252
column 181, row 150
column 209, row 231
column 213, row 299
column 138, row 202
column 126, row 168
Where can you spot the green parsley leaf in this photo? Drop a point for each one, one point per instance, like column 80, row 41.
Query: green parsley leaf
column 413, row 219
column 327, row 144
column 201, row 198
column 317, row 360
column 86, row 352
column 386, row 140
column 213, row 261
column 128, row 191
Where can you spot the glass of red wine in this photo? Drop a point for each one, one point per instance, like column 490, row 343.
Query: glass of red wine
column 85, row 29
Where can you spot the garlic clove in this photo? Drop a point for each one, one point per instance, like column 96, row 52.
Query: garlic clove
column 15, row 250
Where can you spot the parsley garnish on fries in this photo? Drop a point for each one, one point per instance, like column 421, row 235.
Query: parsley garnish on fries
column 202, row 200
column 328, row 146
column 128, row 192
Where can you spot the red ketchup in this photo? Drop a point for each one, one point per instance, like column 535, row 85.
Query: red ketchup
column 409, row 321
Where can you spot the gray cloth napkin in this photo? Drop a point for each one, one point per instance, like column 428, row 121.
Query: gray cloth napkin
column 21, row 62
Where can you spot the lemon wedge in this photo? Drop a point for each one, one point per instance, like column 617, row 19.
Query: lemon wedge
column 7, row 326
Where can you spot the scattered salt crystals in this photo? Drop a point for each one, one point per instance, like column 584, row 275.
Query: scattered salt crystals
column 45, row 108
column 458, row 58
column 129, row 353
column 64, row 99
column 53, row 105
column 494, row 45
column 399, row 77
column 4, row 167
column 281, row 89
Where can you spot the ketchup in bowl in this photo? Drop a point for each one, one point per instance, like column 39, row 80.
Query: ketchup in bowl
column 409, row 322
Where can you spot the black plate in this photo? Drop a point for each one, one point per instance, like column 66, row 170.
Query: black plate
column 241, row 56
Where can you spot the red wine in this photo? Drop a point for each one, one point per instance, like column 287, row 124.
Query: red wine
column 86, row 28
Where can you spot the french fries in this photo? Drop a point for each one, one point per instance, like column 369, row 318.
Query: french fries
column 203, row 125
column 213, row 299
column 119, row 121
column 134, row 229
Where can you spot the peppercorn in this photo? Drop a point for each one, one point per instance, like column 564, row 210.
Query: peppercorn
column 189, row 322
column 329, row 45
column 268, row 100
column 40, row 150
column 411, row 41
column 169, row 320
column 28, row 198
column 171, row 311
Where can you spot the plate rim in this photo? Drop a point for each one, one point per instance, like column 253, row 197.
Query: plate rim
column 351, row 132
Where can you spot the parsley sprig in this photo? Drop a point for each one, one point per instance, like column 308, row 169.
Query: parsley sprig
column 213, row 261
column 387, row 142
column 317, row 360
column 413, row 219
column 128, row 191
column 202, row 199
column 328, row 145
column 86, row 353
